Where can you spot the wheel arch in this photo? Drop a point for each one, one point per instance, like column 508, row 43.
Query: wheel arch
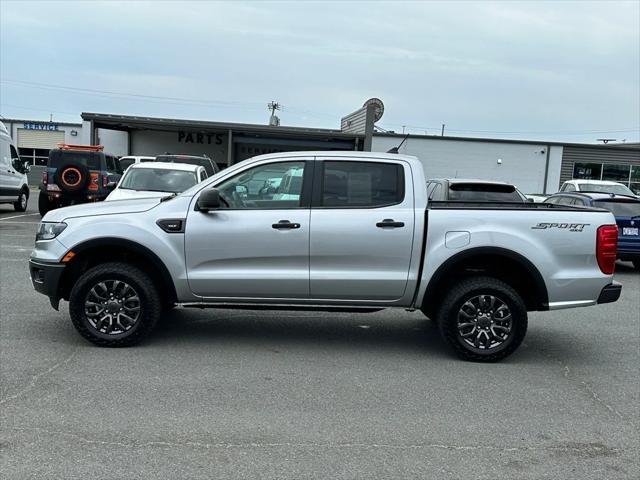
column 504, row 264
column 107, row 249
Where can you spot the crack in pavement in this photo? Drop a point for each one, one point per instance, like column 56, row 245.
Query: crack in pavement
column 589, row 449
column 592, row 393
column 34, row 379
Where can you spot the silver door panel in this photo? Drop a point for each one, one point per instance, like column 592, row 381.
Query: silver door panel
column 237, row 253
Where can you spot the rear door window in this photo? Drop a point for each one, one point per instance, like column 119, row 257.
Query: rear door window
column 362, row 184
column 126, row 162
column 110, row 163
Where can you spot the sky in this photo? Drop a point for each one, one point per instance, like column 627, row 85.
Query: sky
column 556, row 71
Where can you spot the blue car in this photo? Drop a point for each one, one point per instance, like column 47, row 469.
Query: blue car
column 626, row 209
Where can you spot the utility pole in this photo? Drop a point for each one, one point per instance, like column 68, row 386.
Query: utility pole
column 442, row 132
column 273, row 106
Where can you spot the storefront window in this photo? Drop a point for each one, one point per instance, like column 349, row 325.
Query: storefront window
column 616, row 173
column 35, row 156
column 635, row 179
column 587, row 171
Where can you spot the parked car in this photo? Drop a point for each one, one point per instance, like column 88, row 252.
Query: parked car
column 127, row 161
column 359, row 234
column 467, row 190
column 596, row 186
column 155, row 179
column 77, row 174
column 210, row 166
column 14, row 186
column 626, row 210
column 537, row 197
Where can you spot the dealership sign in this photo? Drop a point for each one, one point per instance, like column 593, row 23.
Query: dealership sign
column 41, row 126
column 200, row 138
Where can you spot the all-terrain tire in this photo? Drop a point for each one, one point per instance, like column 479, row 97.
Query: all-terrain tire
column 21, row 204
column 468, row 290
column 150, row 304
column 43, row 204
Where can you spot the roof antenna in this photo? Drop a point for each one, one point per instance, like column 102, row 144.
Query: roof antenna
column 397, row 149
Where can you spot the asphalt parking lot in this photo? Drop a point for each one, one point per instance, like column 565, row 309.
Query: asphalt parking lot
column 246, row 394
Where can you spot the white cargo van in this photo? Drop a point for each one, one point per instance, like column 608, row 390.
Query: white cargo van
column 14, row 186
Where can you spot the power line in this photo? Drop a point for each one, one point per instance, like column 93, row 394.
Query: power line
column 155, row 98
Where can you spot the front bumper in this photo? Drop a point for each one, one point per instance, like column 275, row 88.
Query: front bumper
column 45, row 278
column 610, row 293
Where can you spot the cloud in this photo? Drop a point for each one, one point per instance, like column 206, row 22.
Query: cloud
column 502, row 66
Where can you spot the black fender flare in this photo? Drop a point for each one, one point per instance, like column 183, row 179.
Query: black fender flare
column 541, row 294
column 141, row 250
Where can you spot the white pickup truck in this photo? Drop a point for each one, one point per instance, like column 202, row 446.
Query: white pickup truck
column 350, row 231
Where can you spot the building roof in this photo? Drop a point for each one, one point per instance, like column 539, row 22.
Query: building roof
column 22, row 120
column 157, row 123
column 626, row 146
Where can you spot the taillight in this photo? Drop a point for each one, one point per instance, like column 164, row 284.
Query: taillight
column 105, row 181
column 606, row 244
column 45, row 178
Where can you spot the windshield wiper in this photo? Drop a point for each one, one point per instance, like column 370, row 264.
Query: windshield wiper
column 169, row 197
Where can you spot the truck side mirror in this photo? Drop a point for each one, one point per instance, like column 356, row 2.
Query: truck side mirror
column 208, row 200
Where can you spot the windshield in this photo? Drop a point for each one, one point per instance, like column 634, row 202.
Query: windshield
column 59, row 158
column 599, row 188
column 191, row 160
column 620, row 208
column 157, row 180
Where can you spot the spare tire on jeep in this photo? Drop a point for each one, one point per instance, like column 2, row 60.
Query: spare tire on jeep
column 72, row 177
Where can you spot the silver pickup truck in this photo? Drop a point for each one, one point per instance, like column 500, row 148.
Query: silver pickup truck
column 334, row 231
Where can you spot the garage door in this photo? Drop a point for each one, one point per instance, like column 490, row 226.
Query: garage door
column 39, row 139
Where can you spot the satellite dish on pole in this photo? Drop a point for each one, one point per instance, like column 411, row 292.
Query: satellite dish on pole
column 379, row 107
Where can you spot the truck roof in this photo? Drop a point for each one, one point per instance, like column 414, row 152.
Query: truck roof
column 187, row 167
column 337, row 154
column 470, row 180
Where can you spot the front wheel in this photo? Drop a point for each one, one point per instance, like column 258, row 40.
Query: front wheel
column 21, row 204
column 483, row 319
column 114, row 305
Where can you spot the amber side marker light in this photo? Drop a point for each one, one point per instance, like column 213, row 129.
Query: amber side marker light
column 68, row 256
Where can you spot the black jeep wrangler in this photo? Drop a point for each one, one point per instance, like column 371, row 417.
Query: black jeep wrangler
column 77, row 174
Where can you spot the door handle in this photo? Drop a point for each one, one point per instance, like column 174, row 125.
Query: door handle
column 389, row 223
column 285, row 224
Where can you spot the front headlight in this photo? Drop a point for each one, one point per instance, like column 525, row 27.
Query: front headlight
column 49, row 230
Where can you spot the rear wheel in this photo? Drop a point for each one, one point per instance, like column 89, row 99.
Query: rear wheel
column 483, row 319
column 21, row 204
column 636, row 264
column 43, row 204
column 114, row 305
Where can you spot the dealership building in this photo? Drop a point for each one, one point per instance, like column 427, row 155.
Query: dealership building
column 534, row 166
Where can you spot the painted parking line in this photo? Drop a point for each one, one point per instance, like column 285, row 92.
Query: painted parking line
column 19, row 223
column 19, row 216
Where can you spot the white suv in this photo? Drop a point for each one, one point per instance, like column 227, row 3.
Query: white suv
column 597, row 186
column 14, row 186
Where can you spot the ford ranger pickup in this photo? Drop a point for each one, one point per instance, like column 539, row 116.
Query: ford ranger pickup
column 332, row 231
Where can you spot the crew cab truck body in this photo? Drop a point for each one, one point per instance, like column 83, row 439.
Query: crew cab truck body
column 358, row 235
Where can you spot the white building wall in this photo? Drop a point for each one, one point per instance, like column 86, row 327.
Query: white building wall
column 115, row 142
column 150, row 142
column 520, row 164
column 555, row 165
